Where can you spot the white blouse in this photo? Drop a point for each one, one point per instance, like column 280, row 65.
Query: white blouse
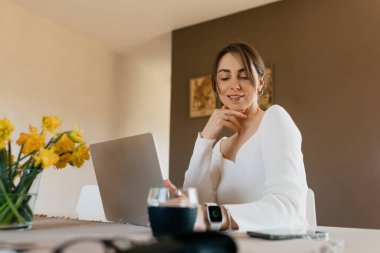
column 266, row 186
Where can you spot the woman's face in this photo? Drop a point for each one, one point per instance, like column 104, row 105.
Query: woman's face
column 234, row 87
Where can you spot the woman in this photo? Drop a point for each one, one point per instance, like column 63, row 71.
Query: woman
column 256, row 177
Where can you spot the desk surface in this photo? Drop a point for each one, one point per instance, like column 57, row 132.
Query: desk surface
column 47, row 233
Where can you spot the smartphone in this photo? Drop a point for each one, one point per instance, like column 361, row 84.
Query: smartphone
column 285, row 234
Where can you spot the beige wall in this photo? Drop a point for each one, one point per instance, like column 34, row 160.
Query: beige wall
column 46, row 69
column 145, row 93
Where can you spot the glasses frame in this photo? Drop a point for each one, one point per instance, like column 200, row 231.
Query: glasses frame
column 108, row 243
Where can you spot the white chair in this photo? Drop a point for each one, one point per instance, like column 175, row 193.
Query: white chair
column 89, row 206
column 310, row 208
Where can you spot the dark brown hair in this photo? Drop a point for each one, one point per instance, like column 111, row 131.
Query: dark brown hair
column 250, row 57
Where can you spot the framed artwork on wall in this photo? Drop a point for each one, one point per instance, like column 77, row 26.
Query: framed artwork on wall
column 266, row 100
column 202, row 97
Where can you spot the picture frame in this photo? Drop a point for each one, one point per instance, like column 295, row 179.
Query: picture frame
column 202, row 97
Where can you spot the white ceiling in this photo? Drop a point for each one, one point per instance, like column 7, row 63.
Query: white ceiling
column 124, row 24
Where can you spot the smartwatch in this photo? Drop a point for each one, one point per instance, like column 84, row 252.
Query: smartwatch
column 214, row 216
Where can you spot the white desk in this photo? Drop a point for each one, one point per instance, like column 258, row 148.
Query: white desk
column 47, row 233
column 356, row 240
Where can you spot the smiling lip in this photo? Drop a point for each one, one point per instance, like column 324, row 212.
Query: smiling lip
column 235, row 97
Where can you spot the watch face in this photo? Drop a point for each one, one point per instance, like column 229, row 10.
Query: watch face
column 215, row 213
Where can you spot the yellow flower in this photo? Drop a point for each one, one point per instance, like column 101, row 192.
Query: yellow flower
column 46, row 157
column 64, row 144
column 6, row 129
column 50, row 123
column 80, row 153
column 76, row 136
column 31, row 141
column 63, row 160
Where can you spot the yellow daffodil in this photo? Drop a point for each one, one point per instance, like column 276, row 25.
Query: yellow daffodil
column 50, row 124
column 76, row 136
column 6, row 129
column 63, row 160
column 46, row 158
column 19, row 172
column 64, row 144
column 80, row 153
column 31, row 141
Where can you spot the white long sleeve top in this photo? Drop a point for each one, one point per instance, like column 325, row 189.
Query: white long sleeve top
column 265, row 187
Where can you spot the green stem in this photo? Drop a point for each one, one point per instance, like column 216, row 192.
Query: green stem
column 19, row 201
column 10, row 204
column 13, row 169
column 3, row 163
column 3, row 213
column 25, row 156
column 9, row 155
column 3, row 207
column 25, row 171
column 53, row 141
column 50, row 141
column 14, row 173
column 27, row 180
column 26, row 164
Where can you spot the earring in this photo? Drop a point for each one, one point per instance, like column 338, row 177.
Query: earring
column 260, row 93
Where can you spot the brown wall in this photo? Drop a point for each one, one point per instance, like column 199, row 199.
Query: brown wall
column 326, row 58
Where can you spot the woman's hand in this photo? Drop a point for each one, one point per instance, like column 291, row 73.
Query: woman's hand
column 201, row 223
column 171, row 187
column 220, row 119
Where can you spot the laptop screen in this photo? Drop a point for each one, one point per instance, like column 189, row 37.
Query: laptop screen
column 125, row 170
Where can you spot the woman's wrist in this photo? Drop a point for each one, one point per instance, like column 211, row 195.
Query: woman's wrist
column 228, row 223
column 206, row 221
column 204, row 135
column 225, row 226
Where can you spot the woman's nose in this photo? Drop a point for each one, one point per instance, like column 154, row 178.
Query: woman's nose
column 235, row 85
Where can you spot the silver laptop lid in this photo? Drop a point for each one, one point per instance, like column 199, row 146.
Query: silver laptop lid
column 125, row 170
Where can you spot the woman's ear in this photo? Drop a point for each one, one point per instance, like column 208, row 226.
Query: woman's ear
column 261, row 82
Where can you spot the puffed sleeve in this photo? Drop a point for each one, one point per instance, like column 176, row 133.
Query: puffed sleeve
column 203, row 172
column 284, row 190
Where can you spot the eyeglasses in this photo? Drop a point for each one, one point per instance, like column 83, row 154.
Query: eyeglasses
column 192, row 242
column 96, row 245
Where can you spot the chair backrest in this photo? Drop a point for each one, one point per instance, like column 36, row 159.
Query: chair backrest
column 89, row 206
column 310, row 208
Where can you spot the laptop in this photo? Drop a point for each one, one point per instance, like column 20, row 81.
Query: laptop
column 125, row 170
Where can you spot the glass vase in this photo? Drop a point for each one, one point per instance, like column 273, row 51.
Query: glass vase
column 16, row 209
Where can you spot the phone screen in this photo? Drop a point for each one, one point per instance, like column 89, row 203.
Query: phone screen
column 284, row 234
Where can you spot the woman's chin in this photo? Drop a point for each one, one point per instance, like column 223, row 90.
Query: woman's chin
column 241, row 107
column 237, row 108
